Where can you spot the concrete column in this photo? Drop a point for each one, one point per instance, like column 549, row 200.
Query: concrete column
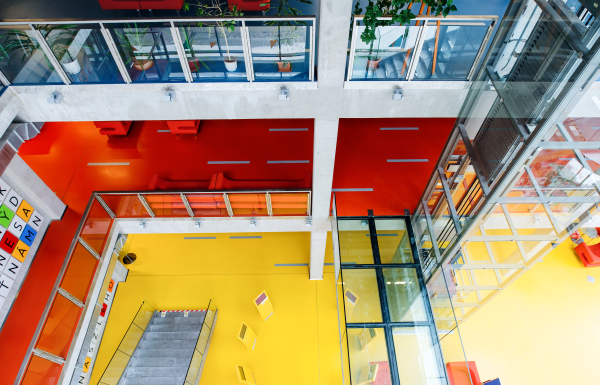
column 325, row 141
column 334, row 27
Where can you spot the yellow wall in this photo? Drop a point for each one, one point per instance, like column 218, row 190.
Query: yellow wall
column 542, row 329
column 299, row 344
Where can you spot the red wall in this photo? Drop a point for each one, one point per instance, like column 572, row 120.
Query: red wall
column 361, row 162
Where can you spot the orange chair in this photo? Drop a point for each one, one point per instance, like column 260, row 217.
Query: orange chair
column 114, row 128
column 458, row 374
column 250, row 5
column 183, row 126
column 589, row 255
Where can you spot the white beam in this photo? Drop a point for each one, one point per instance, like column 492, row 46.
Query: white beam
column 334, row 24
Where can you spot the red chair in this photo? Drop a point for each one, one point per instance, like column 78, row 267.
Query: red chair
column 589, row 255
column 458, row 374
column 114, row 128
column 249, row 5
column 183, row 126
column 119, row 4
column 161, row 4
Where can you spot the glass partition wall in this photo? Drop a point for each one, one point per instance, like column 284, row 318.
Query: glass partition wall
column 390, row 336
column 158, row 51
column 518, row 176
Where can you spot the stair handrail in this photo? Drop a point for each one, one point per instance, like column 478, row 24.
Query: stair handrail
column 196, row 363
column 140, row 321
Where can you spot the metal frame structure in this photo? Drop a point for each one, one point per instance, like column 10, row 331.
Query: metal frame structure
column 105, row 25
column 387, row 324
column 412, row 67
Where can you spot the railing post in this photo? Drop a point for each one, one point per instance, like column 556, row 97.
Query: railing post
column 115, row 53
column 4, row 80
column 247, row 47
column 311, row 61
column 50, row 55
column 181, row 53
column 417, row 51
column 352, row 50
column 486, row 38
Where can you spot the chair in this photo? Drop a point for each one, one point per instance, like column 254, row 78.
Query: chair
column 119, row 4
column 250, row 5
column 458, row 374
column 183, row 126
column 589, row 255
column 263, row 304
column 114, row 128
column 161, row 4
column 245, row 375
column 247, row 336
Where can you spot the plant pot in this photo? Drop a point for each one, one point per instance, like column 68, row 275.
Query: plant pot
column 72, row 68
column 373, row 64
column 284, row 66
column 194, row 64
column 142, row 65
column 230, row 63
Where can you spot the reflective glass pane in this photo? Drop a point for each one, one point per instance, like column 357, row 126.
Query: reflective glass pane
column 280, row 53
column 289, row 204
column 148, row 51
column 405, row 300
column 418, row 356
column 214, row 52
column 248, row 204
column 79, row 273
column 41, row 372
column 392, row 238
column 22, row 60
column 369, row 360
column 60, row 325
column 82, row 52
column 361, row 296
column 449, row 51
column 115, row 369
column 96, row 227
column 555, row 170
column 168, row 205
column 207, row 205
column 355, row 242
column 388, row 56
column 126, row 206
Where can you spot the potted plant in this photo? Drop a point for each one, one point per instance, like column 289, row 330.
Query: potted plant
column 63, row 45
column 189, row 39
column 132, row 40
column 400, row 13
column 219, row 9
column 288, row 39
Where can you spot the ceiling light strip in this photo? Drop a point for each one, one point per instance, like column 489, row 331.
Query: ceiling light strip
column 407, row 160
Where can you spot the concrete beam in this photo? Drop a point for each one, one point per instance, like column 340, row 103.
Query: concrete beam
column 10, row 106
column 334, row 24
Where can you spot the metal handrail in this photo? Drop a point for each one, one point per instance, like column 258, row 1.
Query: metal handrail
column 155, row 19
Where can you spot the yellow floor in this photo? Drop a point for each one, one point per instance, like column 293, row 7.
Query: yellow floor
column 543, row 329
column 299, row 344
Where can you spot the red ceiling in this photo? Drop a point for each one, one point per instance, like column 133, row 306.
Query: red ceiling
column 361, row 162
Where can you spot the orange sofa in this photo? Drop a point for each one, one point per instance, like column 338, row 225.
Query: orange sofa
column 589, row 255
column 114, row 127
column 183, row 126
column 458, row 373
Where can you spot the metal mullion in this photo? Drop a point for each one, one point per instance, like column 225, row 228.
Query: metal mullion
column 88, row 247
column 186, row 203
column 486, row 38
column 146, row 205
column 4, row 80
column 181, row 53
column 412, row 68
column 311, row 56
column 247, row 48
column 228, row 204
column 352, row 48
column 50, row 55
column 308, row 204
column 393, row 362
column 384, row 266
column 105, row 206
column 450, row 201
column 474, row 159
column 112, row 47
column 578, row 153
column 70, row 297
column 432, row 235
column 269, row 204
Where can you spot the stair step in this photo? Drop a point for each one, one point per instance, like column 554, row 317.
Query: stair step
column 161, row 352
column 175, row 344
column 178, row 320
column 194, row 327
column 171, row 335
column 161, row 361
column 157, row 371
column 180, row 314
column 154, row 380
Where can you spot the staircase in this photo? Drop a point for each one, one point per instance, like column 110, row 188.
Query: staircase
column 163, row 355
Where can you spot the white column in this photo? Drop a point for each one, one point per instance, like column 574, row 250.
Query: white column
column 334, row 26
column 325, row 141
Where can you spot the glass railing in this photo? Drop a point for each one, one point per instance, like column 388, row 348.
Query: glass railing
column 118, row 363
column 201, row 348
column 157, row 51
column 429, row 48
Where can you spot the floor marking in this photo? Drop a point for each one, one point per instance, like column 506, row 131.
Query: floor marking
column 163, row 131
column 229, row 162
column 109, row 164
column 290, row 264
column 330, row 264
column 351, row 189
column 406, row 160
column 288, row 129
column 399, row 128
column 246, row 237
column 287, row 161
column 199, row 237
